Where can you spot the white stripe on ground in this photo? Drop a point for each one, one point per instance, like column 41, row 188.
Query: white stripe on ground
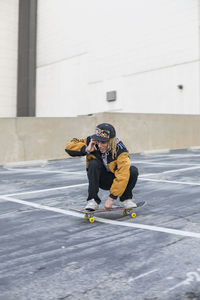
column 161, row 163
column 46, row 190
column 142, row 275
column 191, row 276
column 106, row 221
column 180, row 170
column 169, row 181
column 44, row 171
column 187, row 155
column 176, row 286
column 85, row 184
column 172, row 171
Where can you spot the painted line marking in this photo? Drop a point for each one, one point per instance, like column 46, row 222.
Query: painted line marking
column 172, row 171
column 84, row 173
column 41, row 206
column 105, row 221
column 180, row 170
column 149, row 227
column 44, row 171
column 169, row 181
column 45, row 190
column 161, row 163
column 176, row 286
column 85, row 184
column 168, row 155
column 142, row 275
column 193, row 276
column 187, row 155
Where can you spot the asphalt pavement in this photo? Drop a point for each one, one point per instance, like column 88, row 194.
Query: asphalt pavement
column 48, row 252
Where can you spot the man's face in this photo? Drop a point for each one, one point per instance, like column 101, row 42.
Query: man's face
column 103, row 146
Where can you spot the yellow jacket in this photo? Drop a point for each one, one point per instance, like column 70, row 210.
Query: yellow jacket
column 119, row 166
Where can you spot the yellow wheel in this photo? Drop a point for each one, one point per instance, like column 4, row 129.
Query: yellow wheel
column 91, row 220
column 86, row 217
column 133, row 215
column 125, row 213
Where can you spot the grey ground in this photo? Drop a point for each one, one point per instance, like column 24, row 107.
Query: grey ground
column 48, row 255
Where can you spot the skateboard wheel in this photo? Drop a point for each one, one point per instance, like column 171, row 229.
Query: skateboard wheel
column 86, row 217
column 91, row 220
column 125, row 212
column 133, row 215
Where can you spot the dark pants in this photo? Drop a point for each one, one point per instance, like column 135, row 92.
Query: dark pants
column 99, row 177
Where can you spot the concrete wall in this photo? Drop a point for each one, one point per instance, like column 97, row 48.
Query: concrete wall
column 8, row 57
column 45, row 138
column 142, row 49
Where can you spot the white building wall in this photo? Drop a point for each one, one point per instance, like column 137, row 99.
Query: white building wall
column 8, row 57
column 143, row 49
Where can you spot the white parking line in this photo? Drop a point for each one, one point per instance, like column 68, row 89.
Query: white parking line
column 142, row 275
column 189, row 155
column 169, row 181
column 181, row 170
column 160, row 163
column 171, row 155
column 141, row 177
column 44, row 171
column 45, row 190
column 172, row 171
column 106, row 221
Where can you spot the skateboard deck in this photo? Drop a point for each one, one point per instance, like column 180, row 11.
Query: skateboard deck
column 89, row 214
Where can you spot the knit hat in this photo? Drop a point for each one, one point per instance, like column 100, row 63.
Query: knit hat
column 104, row 132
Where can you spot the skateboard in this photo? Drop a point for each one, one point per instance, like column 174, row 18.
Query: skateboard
column 89, row 214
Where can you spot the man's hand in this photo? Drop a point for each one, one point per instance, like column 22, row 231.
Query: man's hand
column 109, row 203
column 91, row 147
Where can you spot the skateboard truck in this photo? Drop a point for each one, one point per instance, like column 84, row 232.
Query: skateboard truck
column 90, row 216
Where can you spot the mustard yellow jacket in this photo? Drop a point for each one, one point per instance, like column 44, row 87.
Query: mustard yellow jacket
column 119, row 166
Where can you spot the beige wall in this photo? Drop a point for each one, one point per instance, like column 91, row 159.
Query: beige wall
column 45, row 138
column 143, row 49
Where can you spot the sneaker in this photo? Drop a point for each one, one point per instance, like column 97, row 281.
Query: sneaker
column 92, row 205
column 128, row 203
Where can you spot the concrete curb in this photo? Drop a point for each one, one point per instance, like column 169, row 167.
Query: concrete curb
column 21, row 164
column 194, row 148
column 152, row 152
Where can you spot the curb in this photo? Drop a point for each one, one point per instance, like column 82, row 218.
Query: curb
column 152, row 152
column 194, row 148
column 21, row 164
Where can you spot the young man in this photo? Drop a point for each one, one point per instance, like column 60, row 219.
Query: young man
column 108, row 167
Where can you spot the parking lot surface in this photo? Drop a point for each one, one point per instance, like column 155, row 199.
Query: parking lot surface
column 48, row 252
